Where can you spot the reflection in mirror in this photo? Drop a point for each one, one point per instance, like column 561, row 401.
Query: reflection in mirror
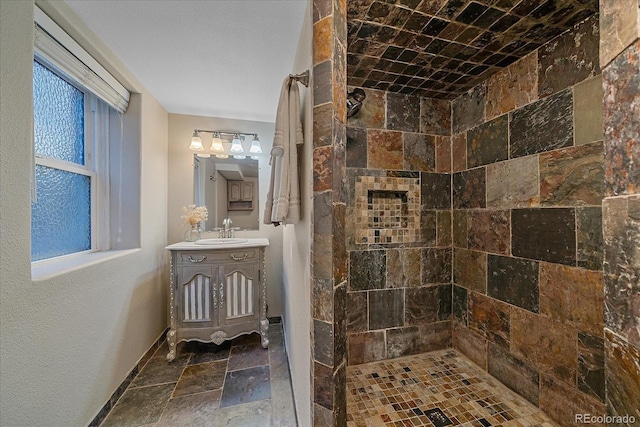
column 229, row 189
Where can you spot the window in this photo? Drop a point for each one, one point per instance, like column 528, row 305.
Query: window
column 63, row 212
column 70, row 211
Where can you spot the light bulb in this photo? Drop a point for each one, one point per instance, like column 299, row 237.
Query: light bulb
column 236, row 145
column 203, row 155
column 216, row 144
column 255, row 145
column 222, row 156
column 239, row 157
column 196, row 142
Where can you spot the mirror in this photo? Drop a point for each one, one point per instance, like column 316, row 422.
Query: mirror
column 229, row 189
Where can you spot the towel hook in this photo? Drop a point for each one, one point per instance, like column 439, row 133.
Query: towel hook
column 302, row 78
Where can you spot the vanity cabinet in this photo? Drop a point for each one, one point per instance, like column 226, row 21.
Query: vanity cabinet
column 216, row 294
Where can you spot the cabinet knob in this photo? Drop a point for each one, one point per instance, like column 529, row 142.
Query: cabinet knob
column 238, row 258
column 192, row 259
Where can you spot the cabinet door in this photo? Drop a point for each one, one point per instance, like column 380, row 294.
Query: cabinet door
column 247, row 191
column 197, row 302
column 234, row 191
column 240, row 294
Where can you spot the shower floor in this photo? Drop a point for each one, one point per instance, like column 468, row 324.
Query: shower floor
column 434, row 389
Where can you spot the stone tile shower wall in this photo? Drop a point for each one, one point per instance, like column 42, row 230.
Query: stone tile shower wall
column 328, row 294
column 398, row 229
column 620, row 60
column 528, row 184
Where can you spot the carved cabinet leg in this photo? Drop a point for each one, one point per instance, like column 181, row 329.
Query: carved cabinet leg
column 171, row 340
column 264, row 329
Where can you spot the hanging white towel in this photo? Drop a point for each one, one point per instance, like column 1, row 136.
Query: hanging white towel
column 283, row 198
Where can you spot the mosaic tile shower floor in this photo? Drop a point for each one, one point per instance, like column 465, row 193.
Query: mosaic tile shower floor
column 434, row 389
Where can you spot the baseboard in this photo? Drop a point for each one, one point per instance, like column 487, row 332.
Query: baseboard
column 106, row 408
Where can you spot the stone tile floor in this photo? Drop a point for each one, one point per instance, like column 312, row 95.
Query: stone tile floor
column 235, row 384
column 434, row 389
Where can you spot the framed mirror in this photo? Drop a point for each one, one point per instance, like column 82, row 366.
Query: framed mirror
column 229, row 188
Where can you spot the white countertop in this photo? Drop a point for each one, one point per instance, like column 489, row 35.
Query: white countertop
column 193, row 246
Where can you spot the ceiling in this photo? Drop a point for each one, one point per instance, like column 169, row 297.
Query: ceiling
column 442, row 48
column 215, row 58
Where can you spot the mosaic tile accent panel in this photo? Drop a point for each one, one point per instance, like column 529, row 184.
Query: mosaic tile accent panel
column 439, row 388
column 441, row 49
column 388, row 210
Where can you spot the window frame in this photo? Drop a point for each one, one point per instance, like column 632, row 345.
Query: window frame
column 96, row 166
column 116, row 215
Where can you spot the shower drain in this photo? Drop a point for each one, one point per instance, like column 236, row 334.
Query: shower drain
column 438, row 417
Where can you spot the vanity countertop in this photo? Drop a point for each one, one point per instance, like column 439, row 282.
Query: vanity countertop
column 198, row 246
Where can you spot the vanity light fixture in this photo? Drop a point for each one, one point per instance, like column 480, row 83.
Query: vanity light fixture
column 216, row 143
column 255, row 145
column 196, row 142
column 220, row 144
column 236, row 145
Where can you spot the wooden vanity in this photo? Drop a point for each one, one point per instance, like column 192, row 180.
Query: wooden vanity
column 217, row 291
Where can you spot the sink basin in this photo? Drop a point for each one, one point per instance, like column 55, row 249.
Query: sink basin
column 219, row 241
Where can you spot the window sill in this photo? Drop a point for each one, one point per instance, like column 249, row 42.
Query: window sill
column 43, row 270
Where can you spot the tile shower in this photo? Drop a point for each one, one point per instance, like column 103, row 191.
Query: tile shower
column 526, row 211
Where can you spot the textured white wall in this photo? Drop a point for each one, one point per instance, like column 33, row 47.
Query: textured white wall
column 297, row 248
column 181, row 128
column 69, row 341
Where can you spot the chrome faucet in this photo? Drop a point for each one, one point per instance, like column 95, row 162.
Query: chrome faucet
column 227, row 232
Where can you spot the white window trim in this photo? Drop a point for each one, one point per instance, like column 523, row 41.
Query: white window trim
column 96, row 125
column 56, row 50
column 52, row 267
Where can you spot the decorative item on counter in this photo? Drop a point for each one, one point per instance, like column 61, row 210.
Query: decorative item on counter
column 193, row 216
